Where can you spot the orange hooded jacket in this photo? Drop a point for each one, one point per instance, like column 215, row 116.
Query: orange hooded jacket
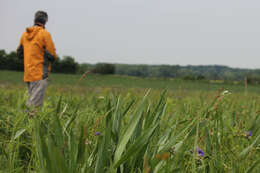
column 37, row 49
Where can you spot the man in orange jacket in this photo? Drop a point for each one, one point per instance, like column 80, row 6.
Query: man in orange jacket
column 37, row 49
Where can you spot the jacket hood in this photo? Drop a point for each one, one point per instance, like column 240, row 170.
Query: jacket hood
column 32, row 31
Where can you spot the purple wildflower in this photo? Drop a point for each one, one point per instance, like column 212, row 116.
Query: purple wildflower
column 97, row 134
column 249, row 134
column 200, row 152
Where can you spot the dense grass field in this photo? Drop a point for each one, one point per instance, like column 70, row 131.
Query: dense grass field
column 126, row 124
column 11, row 79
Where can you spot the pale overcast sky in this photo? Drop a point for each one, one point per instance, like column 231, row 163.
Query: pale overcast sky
column 196, row 32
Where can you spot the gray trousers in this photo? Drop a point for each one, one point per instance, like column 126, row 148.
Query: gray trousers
column 36, row 92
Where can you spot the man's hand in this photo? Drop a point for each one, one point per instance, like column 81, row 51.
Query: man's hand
column 49, row 56
column 19, row 52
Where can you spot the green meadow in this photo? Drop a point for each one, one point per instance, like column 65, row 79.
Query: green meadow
column 121, row 124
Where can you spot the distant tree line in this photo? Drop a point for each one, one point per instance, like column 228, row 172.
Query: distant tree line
column 68, row 65
column 190, row 72
column 11, row 62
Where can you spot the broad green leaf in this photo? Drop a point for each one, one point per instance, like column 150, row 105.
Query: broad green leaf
column 19, row 133
column 129, row 131
column 250, row 169
column 137, row 146
column 245, row 151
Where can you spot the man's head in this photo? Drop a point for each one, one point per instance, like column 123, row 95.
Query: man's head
column 40, row 17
